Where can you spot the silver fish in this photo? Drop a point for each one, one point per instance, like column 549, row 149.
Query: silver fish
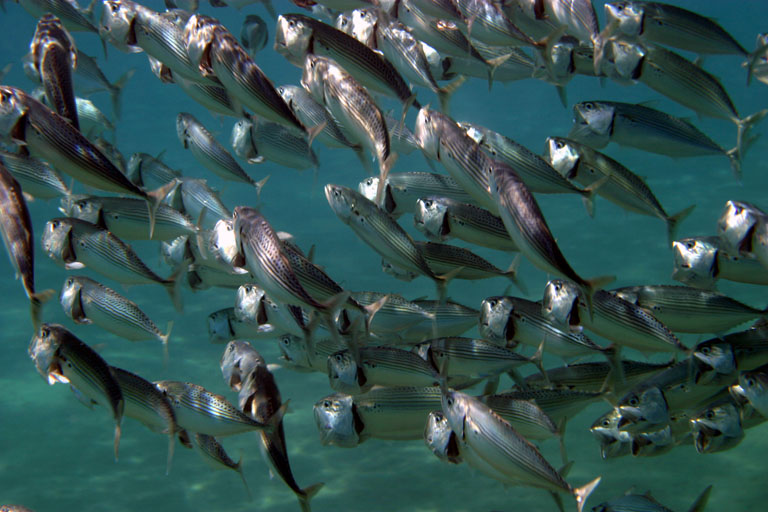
column 443, row 319
column 214, row 454
column 298, row 356
column 358, row 372
column 622, row 187
column 738, row 225
column 254, row 34
column 611, row 317
column 463, row 263
column 62, row 357
column 487, row 22
column 86, row 301
column 199, row 410
column 470, row 357
column 700, row 262
column 757, row 64
column 441, row 218
column 147, row 171
column 297, row 36
column 596, row 123
column 717, row 427
column 754, row 387
column 69, row 12
column 594, row 376
column 16, row 230
column 209, row 153
column 265, row 141
column 127, row 218
column 440, row 439
column 224, row 326
column 194, row 196
column 145, row 403
column 75, row 244
column 558, row 404
column 613, row 442
column 362, row 24
column 646, row 502
column 54, row 57
column 36, row 177
column 500, row 446
column 686, row 309
column 88, row 69
column 237, row 363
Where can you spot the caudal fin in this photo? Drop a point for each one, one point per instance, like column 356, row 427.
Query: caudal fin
column 444, row 94
column 116, row 90
column 36, row 301
column 674, row 221
column 154, row 198
column 701, row 501
column 590, row 286
column 307, row 494
column 582, row 493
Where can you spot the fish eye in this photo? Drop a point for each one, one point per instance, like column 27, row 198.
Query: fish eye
column 589, row 106
column 606, row 422
column 559, row 144
column 690, row 245
column 493, row 303
column 55, row 224
column 338, row 358
column 710, row 414
column 634, row 401
column 749, row 382
column 705, row 350
column 45, row 332
column 70, row 281
column 285, row 341
column 327, row 404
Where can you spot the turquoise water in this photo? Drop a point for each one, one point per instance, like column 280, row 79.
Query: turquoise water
column 57, row 455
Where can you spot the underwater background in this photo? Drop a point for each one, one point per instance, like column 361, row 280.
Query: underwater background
column 56, row 455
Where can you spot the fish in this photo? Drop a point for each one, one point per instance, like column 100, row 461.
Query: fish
column 54, row 57
column 145, row 403
column 440, row 439
column 224, row 326
column 487, row 22
column 261, row 141
column 645, row 502
column 199, row 410
column 513, row 320
column 147, row 171
column 558, row 404
column 612, row 317
column 757, row 63
column 753, row 385
column 717, row 427
column 209, row 153
column 296, row 354
column 213, row 97
column 362, row 24
column 471, row 357
column 578, row 16
column 60, row 356
column 194, row 195
column 216, row 52
column 35, row 177
column 511, row 64
column 86, row 301
column 75, row 244
column 127, row 218
column 254, row 34
column 403, row 189
column 669, row 25
column 737, row 227
column 443, row 140
column 214, row 454
column 721, row 357
column 351, row 104
column 237, row 363
column 74, row 18
column 527, row 227
column 687, row 309
column 499, row 445
column 380, row 231
column 700, row 262
column 442, row 218
column 88, row 69
column 51, row 137
column 397, row 413
column 16, row 230
column 596, row 123
column 358, row 372
column 613, row 442
column 594, row 376
column 297, row 36
column 465, row 264
column 442, row 319
column 622, row 187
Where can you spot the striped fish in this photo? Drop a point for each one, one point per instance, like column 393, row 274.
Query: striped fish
column 214, row 454
column 62, row 357
column 470, row 357
column 224, row 326
column 443, row 319
column 36, row 177
column 378, row 366
column 463, row 263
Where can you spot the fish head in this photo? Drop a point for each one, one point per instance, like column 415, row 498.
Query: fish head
column 49, row 31
column 656, row 442
column 185, row 123
column 199, row 38
column 176, row 251
column 592, row 123
column 173, row 390
column 313, row 77
column 397, row 272
column 754, row 386
column 337, row 421
column 294, row 350
column 556, row 65
column 160, row 70
column 736, row 226
column 613, row 442
column 223, row 244
column 369, row 187
column 293, row 38
column 623, row 60
column 643, row 407
column 82, row 207
column 220, row 326
column 134, row 167
column 57, row 241
column 562, row 156
column 238, row 362
column 560, row 303
column 717, row 428
column 178, row 17
column 249, row 305
column 496, row 322
column 117, row 25
column 344, row 374
column 242, row 141
column 43, row 350
column 13, row 109
column 440, row 439
column 627, row 16
column 344, row 23
column 427, row 132
column 696, row 261
column 344, row 202
column 364, row 24
column 254, row 34
column 717, row 358
column 431, row 218
column 456, row 408
column 71, row 299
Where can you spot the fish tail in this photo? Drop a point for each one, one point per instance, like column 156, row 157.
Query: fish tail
column 239, row 469
column 675, row 220
column 442, row 281
column 582, row 493
column 116, row 90
column 444, row 94
column 493, row 65
column 259, row 185
column 744, row 127
column 599, row 44
column 544, row 46
column 615, row 375
column 36, row 301
column 171, row 447
column 371, row 310
column 590, row 286
column 512, row 274
column 307, row 494
column 164, row 340
column 588, row 195
column 313, row 132
column 118, row 432
column 173, row 285
column 154, row 198
column 384, row 168
column 701, row 501
column 753, row 59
